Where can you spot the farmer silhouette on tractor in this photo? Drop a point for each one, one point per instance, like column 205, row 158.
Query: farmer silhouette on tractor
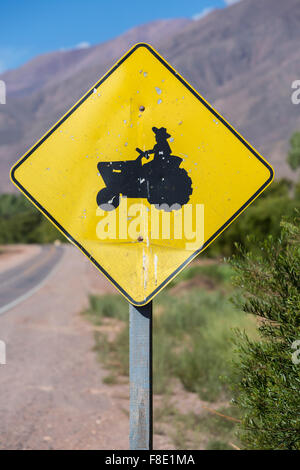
column 161, row 149
column 160, row 181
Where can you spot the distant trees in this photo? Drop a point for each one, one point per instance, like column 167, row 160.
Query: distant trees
column 260, row 219
column 21, row 222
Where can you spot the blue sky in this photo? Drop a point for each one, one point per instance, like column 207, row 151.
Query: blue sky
column 33, row 27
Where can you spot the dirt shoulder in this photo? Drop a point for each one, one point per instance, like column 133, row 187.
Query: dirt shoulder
column 52, row 395
column 12, row 255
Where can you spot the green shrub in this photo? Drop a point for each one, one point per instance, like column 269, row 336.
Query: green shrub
column 294, row 151
column 261, row 218
column 268, row 381
column 215, row 271
column 191, row 339
column 21, row 222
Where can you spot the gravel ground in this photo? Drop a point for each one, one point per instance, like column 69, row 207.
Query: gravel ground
column 52, row 395
column 12, row 255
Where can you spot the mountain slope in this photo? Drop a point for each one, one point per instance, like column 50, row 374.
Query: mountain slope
column 42, row 90
column 242, row 59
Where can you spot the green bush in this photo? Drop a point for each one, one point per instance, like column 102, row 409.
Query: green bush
column 216, row 272
column 268, row 381
column 294, row 151
column 21, row 222
column 261, row 218
column 191, row 338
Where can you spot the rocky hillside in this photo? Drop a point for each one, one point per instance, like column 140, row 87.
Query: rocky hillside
column 242, row 59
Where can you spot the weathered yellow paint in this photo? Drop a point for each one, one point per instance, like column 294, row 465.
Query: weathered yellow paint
column 59, row 174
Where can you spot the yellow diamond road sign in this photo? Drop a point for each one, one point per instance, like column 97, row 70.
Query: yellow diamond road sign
column 142, row 174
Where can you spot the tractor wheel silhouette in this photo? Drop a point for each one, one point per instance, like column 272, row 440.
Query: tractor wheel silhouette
column 170, row 191
column 107, row 200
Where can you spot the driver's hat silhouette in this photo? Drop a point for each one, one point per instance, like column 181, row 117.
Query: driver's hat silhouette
column 161, row 149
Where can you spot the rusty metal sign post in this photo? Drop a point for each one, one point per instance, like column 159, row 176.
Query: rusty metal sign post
column 142, row 174
column 140, row 372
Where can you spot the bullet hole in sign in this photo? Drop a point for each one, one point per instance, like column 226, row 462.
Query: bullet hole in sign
column 142, row 108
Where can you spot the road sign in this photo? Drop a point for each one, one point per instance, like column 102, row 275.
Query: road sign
column 142, row 174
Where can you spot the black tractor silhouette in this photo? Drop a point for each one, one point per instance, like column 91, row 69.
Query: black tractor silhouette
column 160, row 181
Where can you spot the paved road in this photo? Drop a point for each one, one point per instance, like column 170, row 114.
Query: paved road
column 19, row 282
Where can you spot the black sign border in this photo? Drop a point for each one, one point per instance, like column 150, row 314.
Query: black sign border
column 71, row 111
